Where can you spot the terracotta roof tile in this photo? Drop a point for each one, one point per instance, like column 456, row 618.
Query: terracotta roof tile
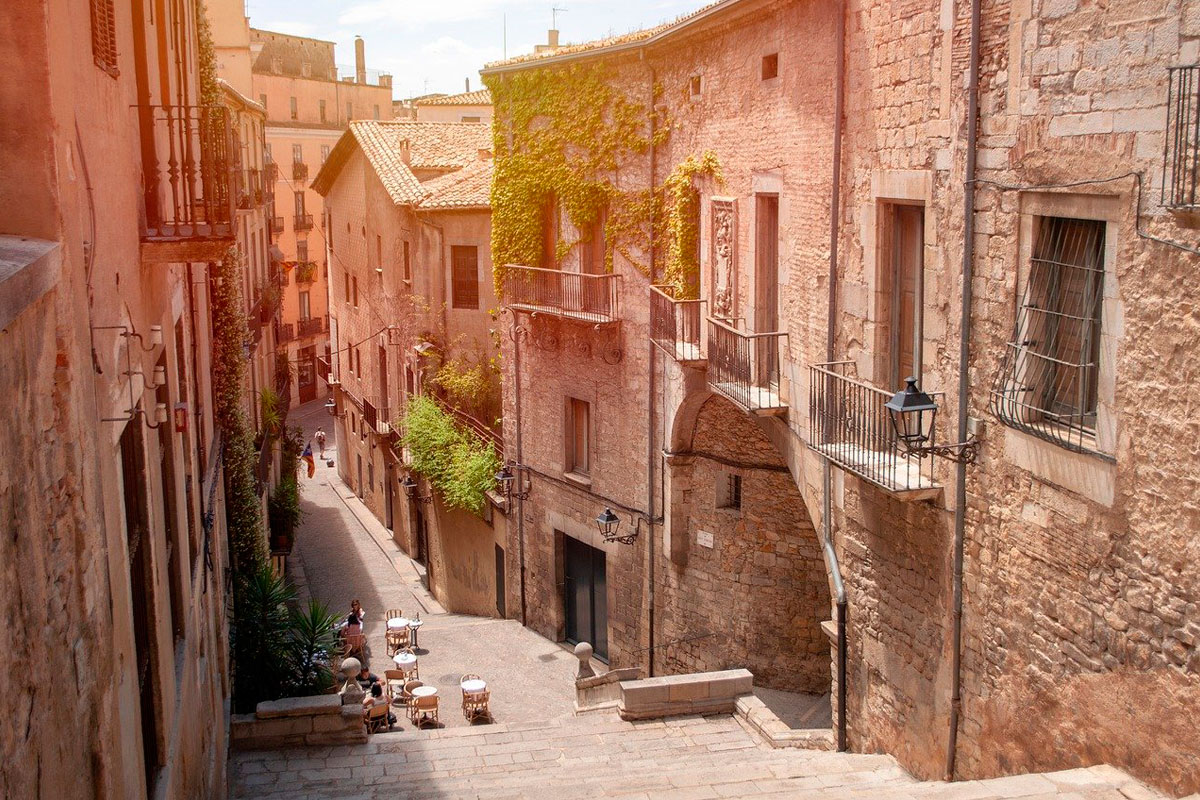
column 480, row 97
column 469, row 187
column 431, row 145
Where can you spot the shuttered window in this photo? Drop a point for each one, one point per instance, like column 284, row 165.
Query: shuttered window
column 104, row 36
column 465, row 261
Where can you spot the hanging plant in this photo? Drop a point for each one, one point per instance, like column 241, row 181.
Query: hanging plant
column 460, row 465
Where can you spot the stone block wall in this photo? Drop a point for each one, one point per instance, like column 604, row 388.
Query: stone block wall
column 299, row 722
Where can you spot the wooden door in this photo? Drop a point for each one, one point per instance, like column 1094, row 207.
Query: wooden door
column 585, row 595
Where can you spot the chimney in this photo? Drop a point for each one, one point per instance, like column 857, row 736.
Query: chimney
column 360, row 60
column 552, row 38
column 468, row 84
column 385, row 80
column 405, row 151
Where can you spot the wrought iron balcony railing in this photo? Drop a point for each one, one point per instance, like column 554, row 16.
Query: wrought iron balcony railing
column 374, row 415
column 570, row 295
column 285, row 332
column 270, row 175
column 306, row 272
column 299, row 171
column 250, row 190
column 745, row 367
column 303, row 222
column 675, row 324
column 276, row 225
column 850, row 426
column 311, row 326
column 188, row 164
column 1181, row 145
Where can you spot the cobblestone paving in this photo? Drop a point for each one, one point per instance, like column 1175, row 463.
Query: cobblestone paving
column 537, row 748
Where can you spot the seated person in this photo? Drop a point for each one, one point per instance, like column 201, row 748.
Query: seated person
column 367, row 679
column 355, row 617
column 374, row 697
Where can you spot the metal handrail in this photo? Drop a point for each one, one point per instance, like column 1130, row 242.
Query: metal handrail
column 745, row 367
column 572, row 295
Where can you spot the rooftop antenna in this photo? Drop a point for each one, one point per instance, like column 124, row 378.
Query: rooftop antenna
column 506, row 37
column 554, row 17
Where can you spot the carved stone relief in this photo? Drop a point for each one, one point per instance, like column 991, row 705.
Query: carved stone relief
column 724, row 257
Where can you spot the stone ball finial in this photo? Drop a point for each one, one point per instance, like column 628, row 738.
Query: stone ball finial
column 351, row 667
column 583, row 651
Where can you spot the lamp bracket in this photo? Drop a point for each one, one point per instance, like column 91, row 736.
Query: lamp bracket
column 960, row 452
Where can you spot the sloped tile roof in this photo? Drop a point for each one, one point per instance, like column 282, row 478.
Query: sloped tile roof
column 598, row 46
column 469, row 187
column 431, row 146
column 480, row 97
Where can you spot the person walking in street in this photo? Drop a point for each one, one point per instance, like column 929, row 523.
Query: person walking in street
column 320, row 437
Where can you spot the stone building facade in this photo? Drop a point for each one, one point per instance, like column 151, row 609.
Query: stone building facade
column 308, row 107
column 407, row 214
column 1076, row 595
column 119, row 193
column 468, row 106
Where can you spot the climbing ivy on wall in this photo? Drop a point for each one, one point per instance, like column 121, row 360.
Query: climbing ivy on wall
column 210, row 92
column 564, row 136
column 459, row 464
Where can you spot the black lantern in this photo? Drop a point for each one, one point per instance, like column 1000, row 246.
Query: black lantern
column 410, row 490
column 912, row 412
column 510, row 481
column 331, row 407
column 504, row 480
column 608, row 524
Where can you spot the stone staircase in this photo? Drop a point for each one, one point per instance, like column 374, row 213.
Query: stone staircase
column 598, row 755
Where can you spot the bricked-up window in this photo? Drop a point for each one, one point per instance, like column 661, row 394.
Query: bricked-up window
column 578, row 437
column 295, row 109
column 354, row 285
column 729, row 491
column 321, row 109
column 349, row 111
column 697, row 86
column 104, row 36
column 464, row 261
column 407, row 264
column 770, row 66
column 1048, row 380
column 375, row 111
column 347, row 277
column 469, row 119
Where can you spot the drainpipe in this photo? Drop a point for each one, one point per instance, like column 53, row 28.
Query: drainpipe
column 964, row 348
column 516, row 339
column 831, row 559
column 650, row 410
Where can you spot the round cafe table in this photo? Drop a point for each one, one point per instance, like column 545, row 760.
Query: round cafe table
column 473, row 686
column 398, row 622
column 424, row 691
column 414, row 625
column 404, row 660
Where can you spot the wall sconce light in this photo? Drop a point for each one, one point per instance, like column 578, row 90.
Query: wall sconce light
column 181, row 417
column 913, row 412
column 160, row 377
column 512, row 481
column 410, row 490
column 610, row 527
column 160, row 416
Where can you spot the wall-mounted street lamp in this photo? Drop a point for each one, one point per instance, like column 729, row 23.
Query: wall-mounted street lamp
column 512, row 483
column 610, row 527
column 913, row 412
column 410, row 490
column 331, row 407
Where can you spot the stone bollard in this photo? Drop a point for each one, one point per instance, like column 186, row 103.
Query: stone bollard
column 583, row 651
column 351, row 691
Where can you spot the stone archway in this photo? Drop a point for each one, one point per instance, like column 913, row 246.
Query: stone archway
column 743, row 583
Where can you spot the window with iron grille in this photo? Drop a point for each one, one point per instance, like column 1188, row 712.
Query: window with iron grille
column 1181, row 150
column 1049, row 376
column 465, row 263
column 729, row 491
column 104, row 36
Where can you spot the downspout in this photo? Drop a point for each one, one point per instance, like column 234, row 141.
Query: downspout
column 831, row 559
column 516, row 338
column 650, row 409
column 964, row 352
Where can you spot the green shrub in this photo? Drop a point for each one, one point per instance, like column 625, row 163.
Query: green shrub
column 458, row 463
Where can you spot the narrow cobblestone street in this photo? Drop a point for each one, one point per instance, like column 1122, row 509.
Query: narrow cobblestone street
column 537, row 747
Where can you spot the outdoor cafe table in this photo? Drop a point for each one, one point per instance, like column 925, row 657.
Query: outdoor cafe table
column 404, row 660
column 424, row 691
column 473, row 686
column 398, row 622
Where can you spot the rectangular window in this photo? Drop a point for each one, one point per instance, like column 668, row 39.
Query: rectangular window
column 592, row 248
column 375, row 112
column 770, row 66
column 696, row 85
column 302, row 250
column 298, row 153
column 407, row 264
column 469, row 119
column 1048, row 383
column 299, row 197
column 465, row 264
column 104, row 36
column 305, row 308
column 578, row 437
column 324, row 154
column 321, row 108
column 729, row 491
column 379, row 253
column 295, row 109
column 354, row 284
column 347, row 277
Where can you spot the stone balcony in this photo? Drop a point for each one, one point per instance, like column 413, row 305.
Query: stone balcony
column 576, row 296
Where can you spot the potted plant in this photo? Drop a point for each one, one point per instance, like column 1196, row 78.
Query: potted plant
column 283, row 514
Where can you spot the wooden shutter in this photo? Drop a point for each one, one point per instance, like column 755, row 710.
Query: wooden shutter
column 104, row 36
